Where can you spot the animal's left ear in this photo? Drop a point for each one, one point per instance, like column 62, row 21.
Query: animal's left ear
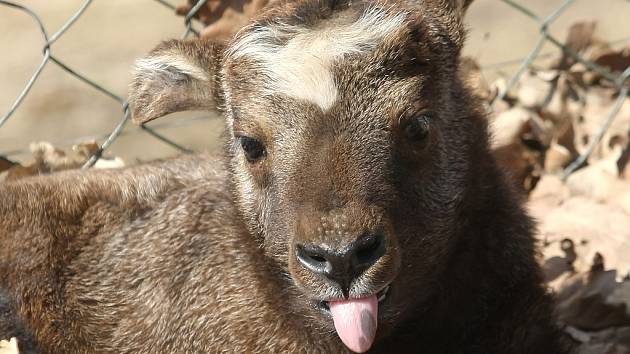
column 452, row 16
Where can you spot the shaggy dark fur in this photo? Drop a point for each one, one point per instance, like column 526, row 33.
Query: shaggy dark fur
column 198, row 255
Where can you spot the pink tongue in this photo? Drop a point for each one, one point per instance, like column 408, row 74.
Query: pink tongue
column 355, row 322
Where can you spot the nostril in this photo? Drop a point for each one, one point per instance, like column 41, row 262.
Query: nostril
column 313, row 259
column 342, row 266
column 368, row 251
column 317, row 258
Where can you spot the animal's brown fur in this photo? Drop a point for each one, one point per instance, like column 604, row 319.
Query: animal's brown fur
column 198, row 255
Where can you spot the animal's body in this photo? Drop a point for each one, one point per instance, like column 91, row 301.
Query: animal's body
column 356, row 184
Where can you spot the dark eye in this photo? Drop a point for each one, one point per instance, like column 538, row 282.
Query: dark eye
column 416, row 129
column 254, row 150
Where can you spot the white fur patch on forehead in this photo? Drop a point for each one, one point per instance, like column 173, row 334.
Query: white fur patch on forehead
column 296, row 61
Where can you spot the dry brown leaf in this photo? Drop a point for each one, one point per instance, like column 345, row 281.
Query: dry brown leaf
column 580, row 37
column 599, row 103
column 593, row 227
column 591, row 300
column 601, row 183
column 522, row 165
column 508, row 126
column 88, row 148
column 605, row 169
column 564, row 136
column 614, row 340
column 549, row 194
column 19, row 171
column 50, row 159
column 614, row 60
column 518, row 124
column 535, row 88
column 557, row 158
column 621, row 295
column 224, row 18
column 623, row 164
column 558, row 266
column 596, row 49
column 583, row 301
column 519, row 140
column 566, row 101
column 6, row 164
column 47, row 159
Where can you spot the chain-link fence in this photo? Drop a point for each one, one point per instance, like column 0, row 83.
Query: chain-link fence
column 619, row 80
column 48, row 57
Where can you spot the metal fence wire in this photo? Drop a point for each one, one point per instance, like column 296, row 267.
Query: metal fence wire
column 619, row 80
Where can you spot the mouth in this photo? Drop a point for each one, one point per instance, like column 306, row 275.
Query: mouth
column 381, row 295
column 355, row 319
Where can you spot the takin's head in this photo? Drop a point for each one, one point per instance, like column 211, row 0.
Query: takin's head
column 351, row 141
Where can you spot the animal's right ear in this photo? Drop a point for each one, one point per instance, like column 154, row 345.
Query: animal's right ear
column 178, row 75
column 459, row 6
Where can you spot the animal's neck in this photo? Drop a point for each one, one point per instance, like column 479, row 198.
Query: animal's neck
column 492, row 229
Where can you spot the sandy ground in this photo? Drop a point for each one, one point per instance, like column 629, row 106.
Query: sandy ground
column 104, row 42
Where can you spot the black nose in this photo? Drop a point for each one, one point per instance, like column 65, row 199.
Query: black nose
column 342, row 265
